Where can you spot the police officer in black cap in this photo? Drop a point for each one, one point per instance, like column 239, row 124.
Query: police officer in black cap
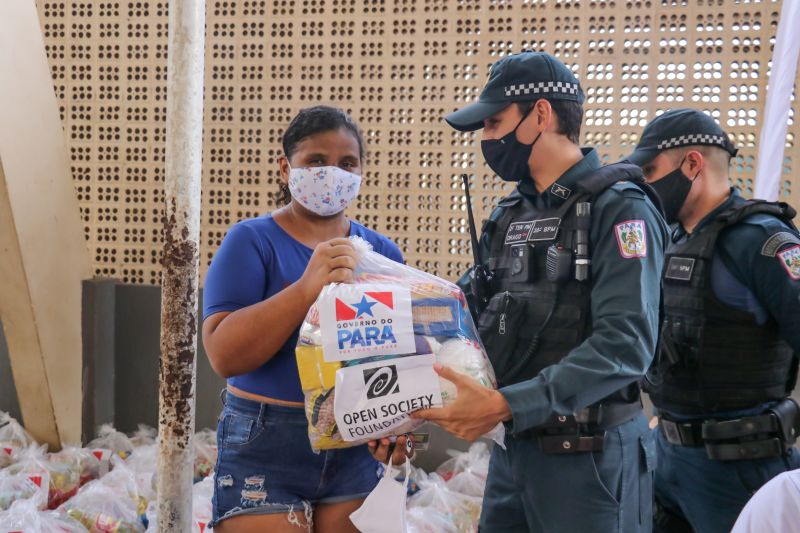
column 567, row 303
column 731, row 329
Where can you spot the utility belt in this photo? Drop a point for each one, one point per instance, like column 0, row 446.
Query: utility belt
column 753, row 437
column 585, row 431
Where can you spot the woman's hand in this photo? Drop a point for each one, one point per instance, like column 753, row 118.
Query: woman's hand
column 332, row 262
column 383, row 448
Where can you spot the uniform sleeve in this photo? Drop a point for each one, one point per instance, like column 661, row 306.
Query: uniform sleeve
column 628, row 238
column 237, row 277
column 766, row 258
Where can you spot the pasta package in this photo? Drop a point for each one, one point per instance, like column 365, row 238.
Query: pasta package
column 366, row 351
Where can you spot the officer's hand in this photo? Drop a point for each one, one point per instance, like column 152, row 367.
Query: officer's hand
column 475, row 411
column 381, row 449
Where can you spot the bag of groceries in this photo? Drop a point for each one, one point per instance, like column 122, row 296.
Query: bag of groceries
column 366, row 351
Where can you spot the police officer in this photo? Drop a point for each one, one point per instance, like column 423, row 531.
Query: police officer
column 730, row 333
column 569, row 317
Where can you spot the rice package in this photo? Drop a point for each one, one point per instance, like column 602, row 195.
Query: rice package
column 366, row 351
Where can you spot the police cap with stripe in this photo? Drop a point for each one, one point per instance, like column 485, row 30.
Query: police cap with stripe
column 520, row 77
column 677, row 128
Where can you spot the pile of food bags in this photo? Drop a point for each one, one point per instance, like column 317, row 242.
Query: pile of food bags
column 449, row 500
column 105, row 487
column 366, row 351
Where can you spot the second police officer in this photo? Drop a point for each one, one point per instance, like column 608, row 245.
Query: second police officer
column 730, row 333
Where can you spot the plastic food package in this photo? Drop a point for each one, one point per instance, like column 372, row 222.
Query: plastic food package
column 202, row 493
column 13, row 437
column 201, row 504
column 112, row 504
column 101, row 509
column 141, row 466
column 366, row 352
column 58, row 479
column 25, row 517
column 109, row 438
column 205, row 453
column 144, row 436
column 74, row 460
column 15, row 487
column 476, row 460
column 428, row 520
column 461, row 510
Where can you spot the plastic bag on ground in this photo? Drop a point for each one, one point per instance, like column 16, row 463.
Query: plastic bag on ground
column 144, row 436
column 461, row 510
column 58, row 479
column 201, row 507
column 366, row 351
column 143, row 464
column 205, row 453
column 428, row 520
column 15, row 487
column 24, row 516
column 101, row 509
column 109, row 438
column 13, row 437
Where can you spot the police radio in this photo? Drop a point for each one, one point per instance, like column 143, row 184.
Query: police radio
column 481, row 276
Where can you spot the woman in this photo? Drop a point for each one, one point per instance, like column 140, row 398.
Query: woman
column 262, row 282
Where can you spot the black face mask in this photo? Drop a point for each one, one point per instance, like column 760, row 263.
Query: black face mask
column 508, row 157
column 673, row 189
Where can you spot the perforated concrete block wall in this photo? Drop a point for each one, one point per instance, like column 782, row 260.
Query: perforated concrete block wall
column 397, row 66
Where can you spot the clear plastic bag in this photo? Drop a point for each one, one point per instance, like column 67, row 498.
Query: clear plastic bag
column 205, row 453
column 13, row 438
column 201, row 504
column 109, row 438
column 142, row 466
column 476, row 459
column 24, row 516
column 15, row 487
column 101, row 509
column 57, row 479
column 428, row 520
column 144, row 436
column 461, row 510
column 202, row 493
column 366, row 351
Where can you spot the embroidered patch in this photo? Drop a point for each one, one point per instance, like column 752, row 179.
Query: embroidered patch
column 790, row 260
column 631, row 238
column 560, row 191
column 773, row 244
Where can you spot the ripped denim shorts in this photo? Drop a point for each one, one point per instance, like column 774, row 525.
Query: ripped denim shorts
column 265, row 464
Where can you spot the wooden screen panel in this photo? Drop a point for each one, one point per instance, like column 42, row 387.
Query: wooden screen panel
column 397, row 66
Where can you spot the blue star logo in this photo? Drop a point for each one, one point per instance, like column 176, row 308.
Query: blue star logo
column 364, row 307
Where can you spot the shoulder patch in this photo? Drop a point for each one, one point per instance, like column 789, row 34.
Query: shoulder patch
column 631, row 238
column 790, row 261
column 774, row 243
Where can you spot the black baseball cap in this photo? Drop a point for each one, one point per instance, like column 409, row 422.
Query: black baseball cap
column 676, row 128
column 516, row 78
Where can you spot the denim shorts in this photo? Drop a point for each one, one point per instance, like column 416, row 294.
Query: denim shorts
column 265, row 464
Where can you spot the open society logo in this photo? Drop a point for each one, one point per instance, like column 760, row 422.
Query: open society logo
column 362, row 324
column 381, row 381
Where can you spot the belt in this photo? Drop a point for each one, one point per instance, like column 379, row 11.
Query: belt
column 753, row 437
column 582, row 432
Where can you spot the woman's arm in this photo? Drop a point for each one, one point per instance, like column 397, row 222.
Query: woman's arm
column 240, row 341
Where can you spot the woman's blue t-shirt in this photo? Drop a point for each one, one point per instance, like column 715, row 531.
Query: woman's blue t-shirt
column 258, row 259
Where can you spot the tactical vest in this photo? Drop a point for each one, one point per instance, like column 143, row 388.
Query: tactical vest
column 531, row 322
column 714, row 358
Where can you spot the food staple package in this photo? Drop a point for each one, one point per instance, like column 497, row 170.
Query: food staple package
column 366, row 351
